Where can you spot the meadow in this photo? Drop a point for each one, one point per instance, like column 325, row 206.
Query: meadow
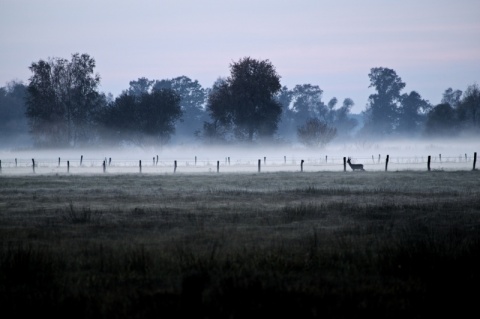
column 210, row 245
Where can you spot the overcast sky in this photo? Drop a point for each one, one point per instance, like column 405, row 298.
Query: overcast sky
column 431, row 44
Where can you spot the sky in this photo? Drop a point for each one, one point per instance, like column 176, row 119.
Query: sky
column 432, row 45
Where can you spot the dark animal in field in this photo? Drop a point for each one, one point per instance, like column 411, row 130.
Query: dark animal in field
column 355, row 167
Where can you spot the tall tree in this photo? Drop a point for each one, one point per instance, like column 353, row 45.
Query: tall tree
column 147, row 119
column 382, row 108
column 192, row 100
column 451, row 97
column 441, row 121
column 13, row 121
column 412, row 113
column 469, row 108
column 307, row 103
column 248, row 99
column 62, row 100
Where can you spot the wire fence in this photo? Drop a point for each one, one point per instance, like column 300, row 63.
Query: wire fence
column 165, row 165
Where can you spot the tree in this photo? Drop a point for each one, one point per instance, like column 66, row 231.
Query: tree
column 316, row 133
column 307, row 103
column 342, row 120
column 451, row 97
column 246, row 101
column 382, row 108
column 192, row 100
column 146, row 119
column 441, row 121
column 13, row 121
column 62, row 100
column 412, row 113
column 469, row 108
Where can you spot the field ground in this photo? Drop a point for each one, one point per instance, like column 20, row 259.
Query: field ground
column 312, row 244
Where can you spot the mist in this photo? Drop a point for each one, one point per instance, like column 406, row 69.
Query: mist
column 192, row 158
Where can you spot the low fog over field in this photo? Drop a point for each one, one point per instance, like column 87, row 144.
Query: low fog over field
column 403, row 155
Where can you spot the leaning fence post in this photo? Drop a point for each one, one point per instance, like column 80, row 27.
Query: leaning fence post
column 33, row 165
column 386, row 163
column 259, row 165
column 474, row 159
column 428, row 162
column 175, row 166
column 344, row 164
column 301, row 166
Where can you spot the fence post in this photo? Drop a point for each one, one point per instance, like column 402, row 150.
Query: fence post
column 386, row 163
column 474, row 159
column 175, row 166
column 195, row 161
column 285, row 160
column 154, row 161
column 428, row 162
column 59, row 162
column 344, row 164
column 109, row 161
column 0, row 166
column 33, row 165
column 301, row 166
column 379, row 158
column 440, row 157
column 229, row 160
column 81, row 160
column 68, row 166
column 373, row 159
column 15, row 162
column 104, row 167
column 326, row 158
column 259, row 165
column 140, row 165
column 265, row 160
column 218, row 166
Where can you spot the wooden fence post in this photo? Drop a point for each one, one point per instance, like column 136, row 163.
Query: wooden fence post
column 229, row 160
column 104, row 167
column 344, row 164
column 379, row 158
column 154, row 161
column 0, row 166
column 440, row 157
column 81, row 160
column 326, row 158
column 68, row 166
column 140, row 165
column 59, row 162
column 109, row 161
column 15, row 162
column 175, row 166
column 373, row 160
column 474, row 159
column 301, row 166
column 386, row 163
column 33, row 165
column 218, row 166
column 265, row 160
column 195, row 161
column 428, row 162
column 259, row 165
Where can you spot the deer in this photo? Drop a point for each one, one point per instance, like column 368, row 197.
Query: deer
column 355, row 166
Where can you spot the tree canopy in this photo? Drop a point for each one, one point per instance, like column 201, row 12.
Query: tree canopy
column 245, row 102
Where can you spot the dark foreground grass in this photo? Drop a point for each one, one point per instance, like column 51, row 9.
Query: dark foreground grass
column 324, row 245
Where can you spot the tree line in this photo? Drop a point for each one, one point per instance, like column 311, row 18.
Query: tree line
column 61, row 106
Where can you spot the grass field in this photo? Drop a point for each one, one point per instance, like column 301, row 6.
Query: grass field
column 304, row 245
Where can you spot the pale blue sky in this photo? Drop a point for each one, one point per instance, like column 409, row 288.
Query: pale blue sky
column 431, row 44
